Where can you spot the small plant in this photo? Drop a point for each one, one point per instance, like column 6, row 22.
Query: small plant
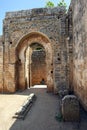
column 59, row 117
column 49, row 4
column 62, row 3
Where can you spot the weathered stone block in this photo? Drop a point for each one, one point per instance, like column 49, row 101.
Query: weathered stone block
column 70, row 108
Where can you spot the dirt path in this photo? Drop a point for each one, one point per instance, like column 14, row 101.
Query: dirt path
column 42, row 114
column 40, row 117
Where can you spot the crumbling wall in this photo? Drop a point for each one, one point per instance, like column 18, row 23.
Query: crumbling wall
column 79, row 8
column 48, row 21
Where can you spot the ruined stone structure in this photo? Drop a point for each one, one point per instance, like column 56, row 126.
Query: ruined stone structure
column 80, row 49
column 45, row 44
column 34, row 48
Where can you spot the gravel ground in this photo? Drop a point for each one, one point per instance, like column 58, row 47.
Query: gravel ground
column 40, row 117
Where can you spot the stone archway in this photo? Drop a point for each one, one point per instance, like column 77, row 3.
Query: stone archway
column 26, row 42
column 35, row 65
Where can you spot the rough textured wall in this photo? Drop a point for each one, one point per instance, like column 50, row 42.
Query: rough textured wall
column 79, row 8
column 69, row 43
column 1, row 64
column 38, row 67
column 50, row 22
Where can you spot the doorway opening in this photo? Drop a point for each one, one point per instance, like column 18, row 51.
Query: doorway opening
column 35, row 65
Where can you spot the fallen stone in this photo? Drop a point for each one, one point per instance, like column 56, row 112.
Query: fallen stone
column 22, row 111
column 70, row 108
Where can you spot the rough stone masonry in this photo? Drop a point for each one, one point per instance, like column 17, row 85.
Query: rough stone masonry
column 60, row 35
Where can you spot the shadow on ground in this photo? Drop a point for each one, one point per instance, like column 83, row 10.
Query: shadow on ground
column 43, row 112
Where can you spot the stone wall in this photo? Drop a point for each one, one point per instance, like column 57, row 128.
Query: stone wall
column 1, row 64
column 18, row 26
column 38, row 67
column 69, row 41
column 79, row 8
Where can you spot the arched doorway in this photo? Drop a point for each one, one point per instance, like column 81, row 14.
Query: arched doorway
column 35, row 65
column 34, row 61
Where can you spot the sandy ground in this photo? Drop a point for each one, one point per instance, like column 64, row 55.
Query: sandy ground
column 9, row 104
column 40, row 117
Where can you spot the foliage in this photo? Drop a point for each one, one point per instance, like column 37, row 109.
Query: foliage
column 62, row 3
column 59, row 117
column 50, row 4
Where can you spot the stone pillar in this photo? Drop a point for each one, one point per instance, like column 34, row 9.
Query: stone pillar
column 6, row 60
column 9, row 66
column 60, row 60
column 11, row 78
column 21, row 72
column 49, row 66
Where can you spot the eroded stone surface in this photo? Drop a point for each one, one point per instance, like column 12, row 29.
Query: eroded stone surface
column 70, row 108
column 80, row 49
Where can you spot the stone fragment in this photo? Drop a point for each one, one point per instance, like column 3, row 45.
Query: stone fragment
column 70, row 108
column 22, row 111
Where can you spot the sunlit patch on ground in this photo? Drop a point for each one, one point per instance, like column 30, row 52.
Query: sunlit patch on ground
column 9, row 104
column 39, row 86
